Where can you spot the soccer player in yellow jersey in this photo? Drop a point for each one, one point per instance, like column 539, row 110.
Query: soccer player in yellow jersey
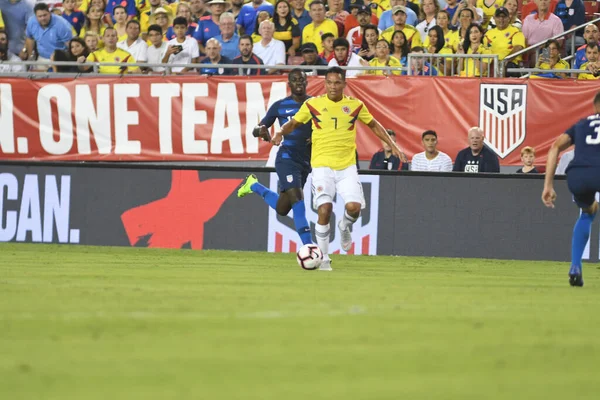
column 111, row 54
column 333, row 160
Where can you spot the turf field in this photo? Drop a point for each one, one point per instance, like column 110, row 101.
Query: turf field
column 122, row 323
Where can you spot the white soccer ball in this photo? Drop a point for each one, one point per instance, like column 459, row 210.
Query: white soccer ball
column 309, row 256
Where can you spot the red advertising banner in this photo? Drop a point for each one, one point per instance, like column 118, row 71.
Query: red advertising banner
column 200, row 118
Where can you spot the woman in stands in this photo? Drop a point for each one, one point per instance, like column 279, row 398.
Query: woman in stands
column 183, row 10
column 399, row 47
column 383, row 59
column 473, row 45
column 478, row 14
column 437, row 45
column 513, row 8
column 120, row 15
column 94, row 24
column 427, row 13
column 550, row 60
column 77, row 51
column 369, row 41
column 262, row 16
column 286, row 28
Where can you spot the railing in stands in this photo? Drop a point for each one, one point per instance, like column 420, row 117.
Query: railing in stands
column 454, row 67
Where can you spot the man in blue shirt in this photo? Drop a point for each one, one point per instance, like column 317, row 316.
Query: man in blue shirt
column 208, row 27
column 213, row 56
column 228, row 38
column 293, row 158
column 590, row 34
column 300, row 12
column 246, row 20
column 386, row 20
column 47, row 31
column 15, row 15
column 583, row 180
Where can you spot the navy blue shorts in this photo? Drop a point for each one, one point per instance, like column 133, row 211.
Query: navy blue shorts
column 584, row 182
column 291, row 172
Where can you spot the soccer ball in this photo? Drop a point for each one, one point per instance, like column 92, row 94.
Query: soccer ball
column 309, row 256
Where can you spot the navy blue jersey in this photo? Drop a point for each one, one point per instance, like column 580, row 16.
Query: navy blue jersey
column 585, row 135
column 296, row 143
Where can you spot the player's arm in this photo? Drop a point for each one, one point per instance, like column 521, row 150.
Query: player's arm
column 286, row 129
column 262, row 129
column 380, row 132
column 562, row 143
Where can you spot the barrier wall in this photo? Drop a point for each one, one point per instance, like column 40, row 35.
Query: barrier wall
column 451, row 215
column 211, row 118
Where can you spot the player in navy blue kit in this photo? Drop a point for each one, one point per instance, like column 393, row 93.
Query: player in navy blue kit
column 293, row 158
column 583, row 179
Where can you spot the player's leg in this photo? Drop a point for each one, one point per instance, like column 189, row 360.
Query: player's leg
column 349, row 187
column 323, row 188
column 292, row 177
column 252, row 185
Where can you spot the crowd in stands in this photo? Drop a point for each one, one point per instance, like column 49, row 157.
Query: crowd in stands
column 377, row 33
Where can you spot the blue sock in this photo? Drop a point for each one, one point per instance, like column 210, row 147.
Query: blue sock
column 581, row 234
column 301, row 223
column 268, row 195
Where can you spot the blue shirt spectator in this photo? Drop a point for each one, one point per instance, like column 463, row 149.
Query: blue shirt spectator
column 216, row 71
column 571, row 16
column 247, row 17
column 54, row 35
column 206, row 29
column 15, row 17
column 76, row 19
column 229, row 48
column 385, row 21
column 190, row 31
column 303, row 19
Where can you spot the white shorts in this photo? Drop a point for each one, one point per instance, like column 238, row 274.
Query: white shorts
column 326, row 182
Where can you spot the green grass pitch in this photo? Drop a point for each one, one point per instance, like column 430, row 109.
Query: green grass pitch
column 121, row 323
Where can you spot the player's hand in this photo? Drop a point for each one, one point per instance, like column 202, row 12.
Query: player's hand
column 277, row 139
column 549, row 197
column 262, row 132
column 398, row 153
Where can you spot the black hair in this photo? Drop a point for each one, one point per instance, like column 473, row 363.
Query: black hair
column 429, row 132
column 155, row 28
column 341, row 42
column 296, row 71
column 247, row 37
column 405, row 49
column 418, row 49
column 336, row 70
column 180, row 21
column 315, row 2
column 41, row 7
column 440, row 37
column 467, row 40
column 469, row 10
column 117, row 7
column 365, row 45
column 132, row 21
column 288, row 17
column 391, row 132
column 327, row 35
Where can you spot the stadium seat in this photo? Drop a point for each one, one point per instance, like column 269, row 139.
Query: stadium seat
column 295, row 60
column 531, row 7
column 591, row 7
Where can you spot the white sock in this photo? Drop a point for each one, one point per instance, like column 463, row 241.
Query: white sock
column 322, row 235
column 347, row 221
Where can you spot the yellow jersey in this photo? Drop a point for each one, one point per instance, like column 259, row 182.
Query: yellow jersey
column 447, row 39
column 561, row 64
column 312, row 34
column 412, row 35
column 588, row 75
column 392, row 62
column 1, row 21
column 502, row 42
column 472, row 68
column 117, row 56
column 333, row 129
column 488, row 12
column 453, row 40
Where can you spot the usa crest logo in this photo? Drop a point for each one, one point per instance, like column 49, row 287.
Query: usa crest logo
column 502, row 116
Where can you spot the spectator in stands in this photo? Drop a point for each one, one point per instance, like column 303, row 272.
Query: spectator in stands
column 543, row 25
column 128, row 7
column 310, row 56
column 111, row 54
column 327, row 41
column 369, row 41
column 247, row 57
column 550, row 60
column 181, row 49
column 271, row 51
column 571, row 16
column 343, row 57
column 386, row 19
column 564, row 162
column 320, row 25
column 7, row 55
column 74, row 17
column 592, row 65
column 120, row 17
column 504, row 40
column 260, row 17
column 476, row 158
column 246, row 20
column 451, row 8
column 94, row 25
column 91, row 41
column 47, row 32
column 135, row 46
column 384, row 159
column 412, row 34
column 236, row 7
column 183, row 10
column 383, row 59
column 213, row 56
column 162, row 18
column 466, row 18
column 286, row 27
column 528, row 158
column 300, row 13
column 443, row 21
column 399, row 47
column 472, row 45
column 335, row 11
column 157, row 48
column 198, row 8
column 437, row 45
column 77, row 51
column 476, row 12
column 149, row 16
column 431, row 160
column 427, row 13
column 352, row 21
column 208, row 27
column 420, row 66
column 16, row 14
column 590, row 34
column 488, row 10
column 513, row 12
column 355, row 35
column 229, row 40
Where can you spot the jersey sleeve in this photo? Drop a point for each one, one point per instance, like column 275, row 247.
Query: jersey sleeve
column 364, row 115
column 271, row 116
column 571, row 133
column 303, row 115
column 519, row 40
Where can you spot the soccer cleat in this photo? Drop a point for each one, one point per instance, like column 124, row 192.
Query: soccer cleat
column 325, row 266
column 575, row 276
column 246, row 187
column 345, row 237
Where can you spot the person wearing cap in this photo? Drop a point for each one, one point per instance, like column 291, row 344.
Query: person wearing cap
column 246, row 20
column 513, row 10
column 162, row 18
column 543, row 25
column 386, row 20
column 355, row 35
column 310, row 56
column 208, row 27
column 300, row 13
column 343, row 57
column 488, row 9
column 319, row 25
column 150, row 15
column 412, row 35
column 504, row 39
